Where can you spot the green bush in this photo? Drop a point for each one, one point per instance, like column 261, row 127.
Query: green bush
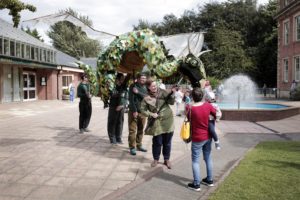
column 295, row 95
column 214, row 82
column 66, row 92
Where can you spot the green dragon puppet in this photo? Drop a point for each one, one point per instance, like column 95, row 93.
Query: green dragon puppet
column 130, row 52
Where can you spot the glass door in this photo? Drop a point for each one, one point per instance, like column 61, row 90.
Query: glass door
column 29, row 86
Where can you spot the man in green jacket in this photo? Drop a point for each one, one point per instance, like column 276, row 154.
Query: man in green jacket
column 85, row 104
column 116, row 109
column 136, row 122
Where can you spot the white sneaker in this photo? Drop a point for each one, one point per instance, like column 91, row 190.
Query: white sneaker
column 217, row 145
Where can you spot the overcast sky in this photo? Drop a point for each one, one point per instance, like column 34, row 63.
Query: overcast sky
column 113, row 16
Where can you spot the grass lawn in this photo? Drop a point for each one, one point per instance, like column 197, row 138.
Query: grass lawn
column 270, row 171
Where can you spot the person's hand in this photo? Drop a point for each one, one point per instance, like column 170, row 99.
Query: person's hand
column 119, row 108
column 155, row 115
column 174, row 88
column 134, row 90
column 135, row 114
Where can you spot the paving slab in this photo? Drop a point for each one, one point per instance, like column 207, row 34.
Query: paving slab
column 43, row 156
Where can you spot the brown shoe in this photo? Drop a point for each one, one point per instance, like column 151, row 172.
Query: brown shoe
column 168, row 164
column 154, row 163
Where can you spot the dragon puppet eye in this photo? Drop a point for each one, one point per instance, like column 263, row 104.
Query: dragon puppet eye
column 194, row 62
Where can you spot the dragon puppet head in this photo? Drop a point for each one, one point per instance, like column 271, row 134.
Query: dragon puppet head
column 192, row 67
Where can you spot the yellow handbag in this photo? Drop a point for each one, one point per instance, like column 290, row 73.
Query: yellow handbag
column 185, row 132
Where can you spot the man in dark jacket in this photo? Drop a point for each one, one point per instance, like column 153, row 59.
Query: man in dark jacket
column 85, row 104
column 136, row 122
column 117, row 103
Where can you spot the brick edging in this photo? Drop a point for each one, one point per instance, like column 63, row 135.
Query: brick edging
column 224, row 175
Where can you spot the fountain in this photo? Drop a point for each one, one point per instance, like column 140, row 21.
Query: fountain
column 238, row 88
column 237, row 100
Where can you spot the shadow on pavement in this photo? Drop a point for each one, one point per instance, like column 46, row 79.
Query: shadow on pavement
column 70, row 137
column 14, row 141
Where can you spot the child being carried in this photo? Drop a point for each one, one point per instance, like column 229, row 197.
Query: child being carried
column 210, row 97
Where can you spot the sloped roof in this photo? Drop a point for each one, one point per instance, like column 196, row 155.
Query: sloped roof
column 7, row 30
column 65, row 60
column 90, row 61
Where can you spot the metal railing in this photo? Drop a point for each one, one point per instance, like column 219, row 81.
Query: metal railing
column 267, row 92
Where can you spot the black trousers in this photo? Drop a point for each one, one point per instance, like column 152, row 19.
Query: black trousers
column 162, row 141
column 115, row 124
column 85, row 113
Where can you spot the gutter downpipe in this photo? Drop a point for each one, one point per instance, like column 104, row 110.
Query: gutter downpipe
column 59, row 68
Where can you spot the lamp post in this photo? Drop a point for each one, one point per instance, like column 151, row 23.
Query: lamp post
column 239, row 97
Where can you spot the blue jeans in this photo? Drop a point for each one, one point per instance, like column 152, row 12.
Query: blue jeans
column 205, row 147
column 212, row 130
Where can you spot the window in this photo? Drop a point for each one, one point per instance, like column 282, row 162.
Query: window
column 286, row 30
column 48, row 56
column 51, row 57
column 27, row 51
column 285, row 70
column 6, row 47
column 32, row 53
column 22, row 50
column 18, row 49
column 54, row 57
column 297, row 27
column 36, row 53
column 44, row 55
column 12, row 48
column 41, row 54
column 1, row 45
column 66, row 81
column 297, row 68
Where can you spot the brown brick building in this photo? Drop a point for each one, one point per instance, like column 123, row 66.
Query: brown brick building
column 288, row 67
column 30, row 69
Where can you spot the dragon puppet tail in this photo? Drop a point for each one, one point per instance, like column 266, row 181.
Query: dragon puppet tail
column 106, row 83
column 92, row 77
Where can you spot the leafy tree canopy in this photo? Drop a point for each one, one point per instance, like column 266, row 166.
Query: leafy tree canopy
column 85, row 19
column 71, row 40
column 228, row 55
column 33, row 33
column 242, row 37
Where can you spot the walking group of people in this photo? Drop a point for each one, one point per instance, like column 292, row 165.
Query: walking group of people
column 150, row 113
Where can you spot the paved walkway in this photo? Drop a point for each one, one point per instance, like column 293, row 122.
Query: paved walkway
column 42, row 156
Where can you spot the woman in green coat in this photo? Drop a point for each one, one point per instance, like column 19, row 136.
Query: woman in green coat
column 157, row 106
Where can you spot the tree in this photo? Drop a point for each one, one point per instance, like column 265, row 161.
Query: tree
column 258, row 31
column 15, row 7
column 265, row 38
column 85, row 19
column 143, row 24
column 242, row 37
column 33, row 33
column 228, row 56
column 71, row 40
